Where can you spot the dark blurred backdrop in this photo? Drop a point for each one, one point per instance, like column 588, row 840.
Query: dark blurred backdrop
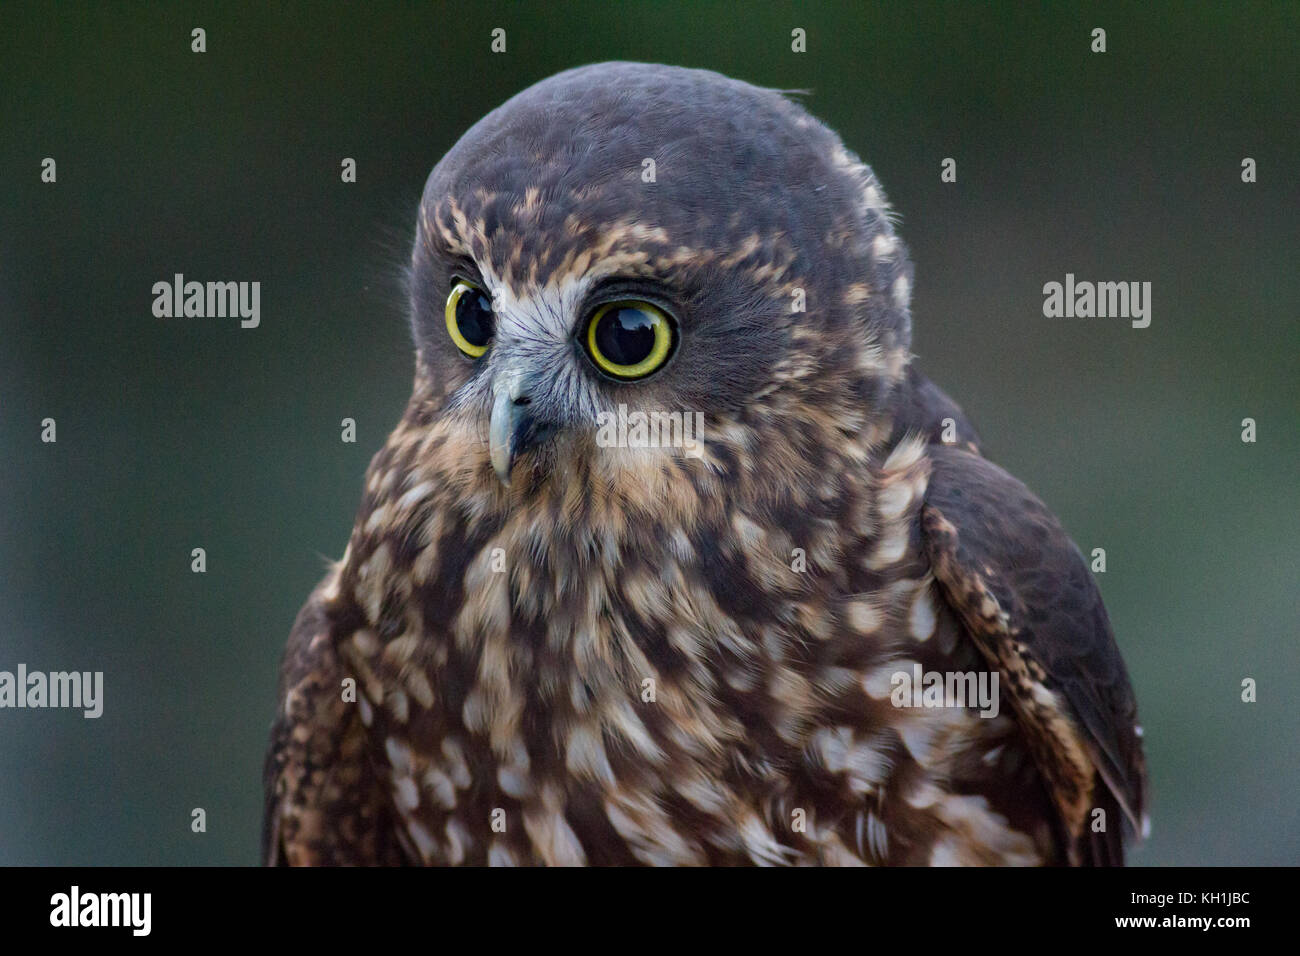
column 176, row 434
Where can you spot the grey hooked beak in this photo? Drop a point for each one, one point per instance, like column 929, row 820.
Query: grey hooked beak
column 501, row 433
column 513, row 429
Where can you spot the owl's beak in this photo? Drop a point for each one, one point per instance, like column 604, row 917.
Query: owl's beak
column 504, row 426
column 513, row 430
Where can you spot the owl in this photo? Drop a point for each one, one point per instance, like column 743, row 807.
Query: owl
column 675, row 557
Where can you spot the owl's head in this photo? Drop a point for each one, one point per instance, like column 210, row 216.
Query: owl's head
column 627, row 239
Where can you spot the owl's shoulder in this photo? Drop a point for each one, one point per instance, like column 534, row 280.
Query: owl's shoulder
column 1028, row 601
column 921, row 407
column 322, row 805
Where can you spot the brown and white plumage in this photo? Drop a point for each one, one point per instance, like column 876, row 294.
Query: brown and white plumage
column 506, row 638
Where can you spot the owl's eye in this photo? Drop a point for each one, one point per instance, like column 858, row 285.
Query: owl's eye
column 470, row 321
column 629, row 339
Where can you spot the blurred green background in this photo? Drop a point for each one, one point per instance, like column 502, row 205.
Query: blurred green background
column 175, row 434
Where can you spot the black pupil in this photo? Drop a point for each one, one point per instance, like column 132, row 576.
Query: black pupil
column 474, row 317
column 625, row 335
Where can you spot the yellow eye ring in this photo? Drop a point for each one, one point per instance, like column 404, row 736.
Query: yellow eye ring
column 470, row 322
column 629, row 339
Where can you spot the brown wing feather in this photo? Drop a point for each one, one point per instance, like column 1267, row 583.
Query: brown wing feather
column 1029, row 602
column 323, row 803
